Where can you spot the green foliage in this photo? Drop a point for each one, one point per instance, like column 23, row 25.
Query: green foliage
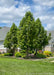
column 39, row 55
column 32, row 34
column 31, row 51
column 48, row 53
column 7, row 41
column 8, row 54
column 11, row 40
column 22, row 51
column 1, row 54
column 23, row 55
column 26, row 32
column 41, row 39
column 18, row 54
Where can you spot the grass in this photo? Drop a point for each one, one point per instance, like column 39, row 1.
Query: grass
column 14, row 66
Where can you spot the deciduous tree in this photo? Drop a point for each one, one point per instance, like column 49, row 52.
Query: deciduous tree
column 11, row 40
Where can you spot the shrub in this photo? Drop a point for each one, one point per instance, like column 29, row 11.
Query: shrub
column 48, row 53
column 8, row 54
column 17, row 54
column 40, row 55
column 1, row 54
column 23, row 55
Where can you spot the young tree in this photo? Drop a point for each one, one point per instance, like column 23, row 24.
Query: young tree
column 11, row 40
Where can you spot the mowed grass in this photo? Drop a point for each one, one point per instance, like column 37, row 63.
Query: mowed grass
column 13, row 66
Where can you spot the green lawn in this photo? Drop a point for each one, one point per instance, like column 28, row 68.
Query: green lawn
column 12, row 66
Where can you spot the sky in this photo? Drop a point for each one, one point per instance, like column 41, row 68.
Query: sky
column 14, row 10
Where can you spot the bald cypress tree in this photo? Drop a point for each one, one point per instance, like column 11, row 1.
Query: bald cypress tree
column 26, row 32
column 11, row 40
column 42, row 38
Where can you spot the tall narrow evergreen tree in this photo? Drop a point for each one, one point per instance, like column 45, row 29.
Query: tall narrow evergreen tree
column 11, row 40
column 41, row 39
column 26, row 32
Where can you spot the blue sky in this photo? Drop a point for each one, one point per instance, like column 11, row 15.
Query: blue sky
column 13, row 11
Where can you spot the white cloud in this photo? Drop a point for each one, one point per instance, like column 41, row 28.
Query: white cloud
column 49, row 20
column 50, row 27
column 8, row 3
column 9, row 13
column 43, row 9
column 49, row 3
column 45, row 2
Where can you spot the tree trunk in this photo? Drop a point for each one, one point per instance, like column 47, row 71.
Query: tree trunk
column 13, row 51
column 27, row 53
column 35, row 51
